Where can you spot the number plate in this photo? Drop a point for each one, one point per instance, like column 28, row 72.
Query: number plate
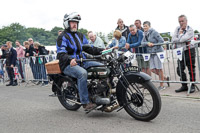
column 132, row 68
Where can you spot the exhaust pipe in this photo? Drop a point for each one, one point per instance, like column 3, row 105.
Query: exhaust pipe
column 111, row 108
column 99, row 100
column 73, row 101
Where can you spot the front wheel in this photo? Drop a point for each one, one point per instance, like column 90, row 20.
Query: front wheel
column 142, row 103
column 68, row 96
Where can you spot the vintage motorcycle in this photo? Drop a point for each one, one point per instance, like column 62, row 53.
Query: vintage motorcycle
column 112, row 87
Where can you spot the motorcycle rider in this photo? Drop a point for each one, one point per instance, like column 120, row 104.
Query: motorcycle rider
column 70, row 44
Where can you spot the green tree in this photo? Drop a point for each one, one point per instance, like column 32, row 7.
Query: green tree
column 166, row 36
column 84, row 32
column 12, row 33
column 15, row 31
column 110, row 35
column 54, row 31
column 39, row 35
column 102, row 36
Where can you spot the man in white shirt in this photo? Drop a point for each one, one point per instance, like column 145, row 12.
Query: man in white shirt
column 182, row 34
column 95, row 40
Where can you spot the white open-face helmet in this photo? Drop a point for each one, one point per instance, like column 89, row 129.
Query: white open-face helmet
column 74, row 16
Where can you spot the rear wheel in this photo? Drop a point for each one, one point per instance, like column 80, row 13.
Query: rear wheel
column 68, row 96
column 143, row 104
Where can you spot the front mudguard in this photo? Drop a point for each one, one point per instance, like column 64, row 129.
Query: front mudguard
column 137, row 77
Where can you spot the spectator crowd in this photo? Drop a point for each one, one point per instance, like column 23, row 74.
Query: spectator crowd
column 136, row 38
column 13, row 60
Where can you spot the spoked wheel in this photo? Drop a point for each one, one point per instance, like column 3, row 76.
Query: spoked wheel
column 68, row 96
column 143, row 104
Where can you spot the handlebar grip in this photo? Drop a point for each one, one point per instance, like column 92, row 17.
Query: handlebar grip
column 97, row 56
column 106, row 51
column 82, row 60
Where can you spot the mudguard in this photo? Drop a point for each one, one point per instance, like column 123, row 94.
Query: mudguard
column 137, row 77
column 58, row 79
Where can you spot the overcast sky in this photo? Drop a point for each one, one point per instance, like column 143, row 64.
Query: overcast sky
column 100, row 15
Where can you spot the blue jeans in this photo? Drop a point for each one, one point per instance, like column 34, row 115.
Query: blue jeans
column 1, row 68
column 43, row 73
column 33, row 69
column 20, row 66
column 81, row 74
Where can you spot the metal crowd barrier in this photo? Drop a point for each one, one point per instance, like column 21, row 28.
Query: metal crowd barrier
column 33, row 68
column 29, row 70
column 170, row 64
column 3, row 72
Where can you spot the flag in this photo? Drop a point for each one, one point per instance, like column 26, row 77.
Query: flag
column 33, row 58
column 161, row 56
column 178, row 52
column 47, row 58
column 16, row 73
column 146, row 57
column 54, row 57
column 41, row 59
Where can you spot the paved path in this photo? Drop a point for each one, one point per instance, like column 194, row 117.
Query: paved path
column 30, row 110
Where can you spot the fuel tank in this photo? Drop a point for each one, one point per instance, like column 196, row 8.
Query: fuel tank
column 98, row 72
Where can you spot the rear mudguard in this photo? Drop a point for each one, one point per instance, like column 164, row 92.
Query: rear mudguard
column 58, row 79
column 137, row 77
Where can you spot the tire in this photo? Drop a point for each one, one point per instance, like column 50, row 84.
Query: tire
column 67, row 90
column 142, row 95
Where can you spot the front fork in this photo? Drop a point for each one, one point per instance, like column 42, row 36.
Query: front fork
column 129, row 88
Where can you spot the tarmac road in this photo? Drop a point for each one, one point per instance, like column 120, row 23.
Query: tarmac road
column 30, row 110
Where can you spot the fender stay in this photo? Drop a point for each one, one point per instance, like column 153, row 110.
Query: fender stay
column 137, row 77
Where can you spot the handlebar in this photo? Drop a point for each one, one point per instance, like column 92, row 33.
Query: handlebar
column 103, row 54
column 82, row 60
column 94, row 58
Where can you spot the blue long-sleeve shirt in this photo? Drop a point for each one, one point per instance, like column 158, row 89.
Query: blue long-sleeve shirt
column 122, row 42
column 135, row 41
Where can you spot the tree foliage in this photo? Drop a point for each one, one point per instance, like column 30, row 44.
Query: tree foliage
column 166, row 36
column 15, row 31
column 12, row 33
column 110, row 35
column 102, row 36
column 84, row 32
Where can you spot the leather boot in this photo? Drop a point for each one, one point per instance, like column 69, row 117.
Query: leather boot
column 89, row 106
column 183, row 88
column 10, row 84
column 192, row 89
column 15, row 83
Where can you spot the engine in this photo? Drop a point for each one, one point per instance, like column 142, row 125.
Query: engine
column 97, row 87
